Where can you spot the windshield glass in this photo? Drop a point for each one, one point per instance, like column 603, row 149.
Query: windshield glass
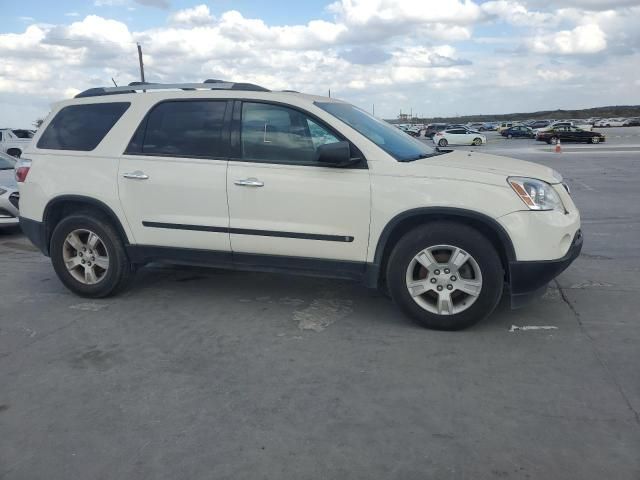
column 5, row 164
column 392, row 140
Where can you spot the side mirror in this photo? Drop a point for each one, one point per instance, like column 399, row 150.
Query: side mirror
column 336, row 154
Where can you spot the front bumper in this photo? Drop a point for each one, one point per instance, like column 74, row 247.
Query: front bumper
column 529, row 279
column 35, row 231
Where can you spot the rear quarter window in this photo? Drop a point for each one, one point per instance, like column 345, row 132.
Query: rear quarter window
column 81, row 127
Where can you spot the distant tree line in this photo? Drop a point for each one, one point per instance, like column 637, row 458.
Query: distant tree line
column 599, row 112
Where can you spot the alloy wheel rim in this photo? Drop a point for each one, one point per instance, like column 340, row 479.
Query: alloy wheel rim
column 444, row 279
column 85, row 256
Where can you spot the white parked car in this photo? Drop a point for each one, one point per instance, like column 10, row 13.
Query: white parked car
column 459, row 136
column 14, row 141
column 236, row 176
column 566, row 123
column 610, row 122
column 505, row 125
column 9, row 196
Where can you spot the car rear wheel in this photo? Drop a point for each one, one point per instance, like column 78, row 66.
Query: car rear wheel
column 88, row 256
column 595, row 139
column 445, row 275
column 477, row 141
column 443, row 143
column 509, row 136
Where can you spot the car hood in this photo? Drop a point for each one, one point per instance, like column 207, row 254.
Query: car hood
column 8, row 179
column 490, row 165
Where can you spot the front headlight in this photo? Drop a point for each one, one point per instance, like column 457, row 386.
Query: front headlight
column 536, row 194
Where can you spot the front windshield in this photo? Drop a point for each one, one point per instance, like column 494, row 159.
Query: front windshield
column 392, row 140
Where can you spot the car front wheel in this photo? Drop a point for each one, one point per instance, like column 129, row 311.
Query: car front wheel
column 88, row 255
column 477, row 141
column 595, row 139
column 445, row 275
column 443, row 143
column 553, row 140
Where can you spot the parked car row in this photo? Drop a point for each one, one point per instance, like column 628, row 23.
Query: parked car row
column 519, row 129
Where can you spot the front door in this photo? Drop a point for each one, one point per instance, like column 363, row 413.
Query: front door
column 172, row 178
column 281, row 201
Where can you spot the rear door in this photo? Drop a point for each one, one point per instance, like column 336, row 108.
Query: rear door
column 172, row 177
column 459, row 136
column 281, row 201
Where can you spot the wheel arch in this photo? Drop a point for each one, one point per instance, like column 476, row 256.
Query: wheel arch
column 61, row 206
column 404, row 222
column 15, row 152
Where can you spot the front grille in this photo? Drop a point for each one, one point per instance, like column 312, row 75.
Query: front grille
column 14, row 198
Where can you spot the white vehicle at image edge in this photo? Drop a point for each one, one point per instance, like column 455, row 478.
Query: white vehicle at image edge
column 9, row 196
column 236, row 176
column 14, row 141
column 458, row 136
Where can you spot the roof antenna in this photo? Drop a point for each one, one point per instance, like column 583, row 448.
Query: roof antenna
column 114, row 82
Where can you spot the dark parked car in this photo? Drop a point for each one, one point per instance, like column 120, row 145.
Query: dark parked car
column 569, row 134
column 519, row 131
column 434, row 128
column 540, row 124
column 488, row 127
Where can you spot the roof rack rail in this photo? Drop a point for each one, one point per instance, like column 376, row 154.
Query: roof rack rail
column 209, row 84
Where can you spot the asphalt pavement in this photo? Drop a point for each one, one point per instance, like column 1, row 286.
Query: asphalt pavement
column 195, row 373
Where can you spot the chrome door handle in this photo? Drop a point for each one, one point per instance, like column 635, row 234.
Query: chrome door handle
column 249, row 182
column 137, row 175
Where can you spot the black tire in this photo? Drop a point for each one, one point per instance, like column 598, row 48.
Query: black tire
column 477, row 142
column 509, row 136
column 443, row 143
column 553, row 140
column 595, row 140
column 454, row 234
column 120, row 270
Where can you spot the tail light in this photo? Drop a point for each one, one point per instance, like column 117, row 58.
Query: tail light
column 22, row 169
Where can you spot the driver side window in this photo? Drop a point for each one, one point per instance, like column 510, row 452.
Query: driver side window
column 276, row 134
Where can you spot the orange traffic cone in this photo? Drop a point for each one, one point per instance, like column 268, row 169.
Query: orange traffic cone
column 558, row 147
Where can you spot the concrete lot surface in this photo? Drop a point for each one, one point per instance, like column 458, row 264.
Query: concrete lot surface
column 207, row 374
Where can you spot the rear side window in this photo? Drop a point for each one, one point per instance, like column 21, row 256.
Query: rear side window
column 23, row 133
column 182, row 129
column 81, row 127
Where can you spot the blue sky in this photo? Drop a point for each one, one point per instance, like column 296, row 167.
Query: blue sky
column 435, row 57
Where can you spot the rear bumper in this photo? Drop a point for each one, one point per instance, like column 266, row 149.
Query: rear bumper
column 36, row 233
column 529, row 280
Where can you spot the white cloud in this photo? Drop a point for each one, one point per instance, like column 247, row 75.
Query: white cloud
column 583, row 39
column 554, row 75
column 516, row 13
column 196, row 16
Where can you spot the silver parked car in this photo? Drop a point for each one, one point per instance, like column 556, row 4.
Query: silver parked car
column 9, row 195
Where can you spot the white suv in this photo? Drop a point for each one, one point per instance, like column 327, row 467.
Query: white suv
column 233, row 175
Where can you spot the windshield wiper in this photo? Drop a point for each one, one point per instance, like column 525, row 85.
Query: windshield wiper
column 427, row 155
